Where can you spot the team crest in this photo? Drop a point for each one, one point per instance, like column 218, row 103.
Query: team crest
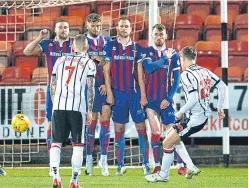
column 113, row 48
column 50, row 44
column 151, row 54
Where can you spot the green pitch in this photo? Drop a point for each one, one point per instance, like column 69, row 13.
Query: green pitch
column 208, row 178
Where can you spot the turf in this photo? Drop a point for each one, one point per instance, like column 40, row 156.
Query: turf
column 208, row 178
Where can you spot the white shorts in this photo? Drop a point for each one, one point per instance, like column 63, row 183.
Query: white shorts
column 195, row 124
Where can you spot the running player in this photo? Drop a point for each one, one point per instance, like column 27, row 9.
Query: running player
column 196, row 82
column 125, row 92
column 69, row 77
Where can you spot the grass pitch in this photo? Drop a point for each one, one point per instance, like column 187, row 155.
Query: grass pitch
column 208, row 178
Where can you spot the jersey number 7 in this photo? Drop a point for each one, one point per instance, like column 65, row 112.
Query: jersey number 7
column 71, row 70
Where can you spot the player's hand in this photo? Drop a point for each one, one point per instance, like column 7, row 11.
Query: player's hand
column 102, row 90
column 99, row 59
column 178, row 115
column 164, row 104
column 221, row 114
column 169, row 52
column 110, row 99
column 143, row 101
column 89, row 117
column 43, row 34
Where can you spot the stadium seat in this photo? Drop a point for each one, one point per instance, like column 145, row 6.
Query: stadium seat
column 20, row 12
column 246, row 74
column 108, row 10
column 5, row 51
column 233, row 7
column 16, row 75
column 75, row 23
column 238, row 48
column 35, row 24
column 18, row 47
column 40, row 75
column 29, row 62
column 234, row 73
column 52, row 12
column 2, row 68
column 238, row 54
column 199, row 8
column 212, row 30
column 208, row 54
column 80, row 10
column 177, row 44
column 241, row 27
column 188, row 27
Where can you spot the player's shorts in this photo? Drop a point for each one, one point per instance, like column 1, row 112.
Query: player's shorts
column 49, row 105
column 99, row 100
column 194, row 125
column 167, row 115
column 125, row 103
column 64, row 122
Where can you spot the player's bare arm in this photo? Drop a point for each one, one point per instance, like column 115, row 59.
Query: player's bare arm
column 90, row 97
column 33, row 48
column 53, row 86
column 107, row 76
column 100, row 59
column 143, row 100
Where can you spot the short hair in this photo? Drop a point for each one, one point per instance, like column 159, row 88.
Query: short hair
column 189, row 52
column 123, row 18
column 159, row 27
column 93, row 18
column 80, row 40
column 60, row 21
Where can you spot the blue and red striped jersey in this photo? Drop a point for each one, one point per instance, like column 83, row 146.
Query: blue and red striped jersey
column 53, row 50
column 123, row 61
column 159, row 82
column 96, row 47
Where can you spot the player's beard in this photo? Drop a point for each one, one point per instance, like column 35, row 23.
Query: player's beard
column 123, row 34
column 94, row 34
column 63, row 36
column 159, row 43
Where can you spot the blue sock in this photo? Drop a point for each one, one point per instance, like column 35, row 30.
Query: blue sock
column 143, row 144
column 119, row 147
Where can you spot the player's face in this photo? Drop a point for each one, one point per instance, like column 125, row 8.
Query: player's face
column 93, row 28
column 124, row 28
column 159, row 37
column 62, row 30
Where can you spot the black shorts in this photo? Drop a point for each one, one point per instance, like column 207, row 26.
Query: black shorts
column 64, row 122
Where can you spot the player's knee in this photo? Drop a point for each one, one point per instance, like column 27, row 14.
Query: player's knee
column 119, row 129
column 140, row 125
column 166, row 144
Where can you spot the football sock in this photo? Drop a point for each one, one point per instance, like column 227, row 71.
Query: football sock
column 90, row 137
column 55, row 155
column 119, row 147
column 181, row 150
column 104, row 137
column 168, row 158
column 77, row 159
column 155, row 144
column 143, row 144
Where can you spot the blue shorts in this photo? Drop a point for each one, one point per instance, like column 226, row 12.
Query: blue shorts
column 125, row 103
column 99, row 100
column 167, row 115
column 49, row 105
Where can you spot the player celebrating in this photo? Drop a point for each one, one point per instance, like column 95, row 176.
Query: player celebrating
column 160, row 64
column 68, row 81
column 53, row 49
column 96, row 44
column 124, row 92
column 196, row 82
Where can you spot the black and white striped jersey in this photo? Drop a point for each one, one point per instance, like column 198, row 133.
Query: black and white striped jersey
column 196, row 78
column 71, row 73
